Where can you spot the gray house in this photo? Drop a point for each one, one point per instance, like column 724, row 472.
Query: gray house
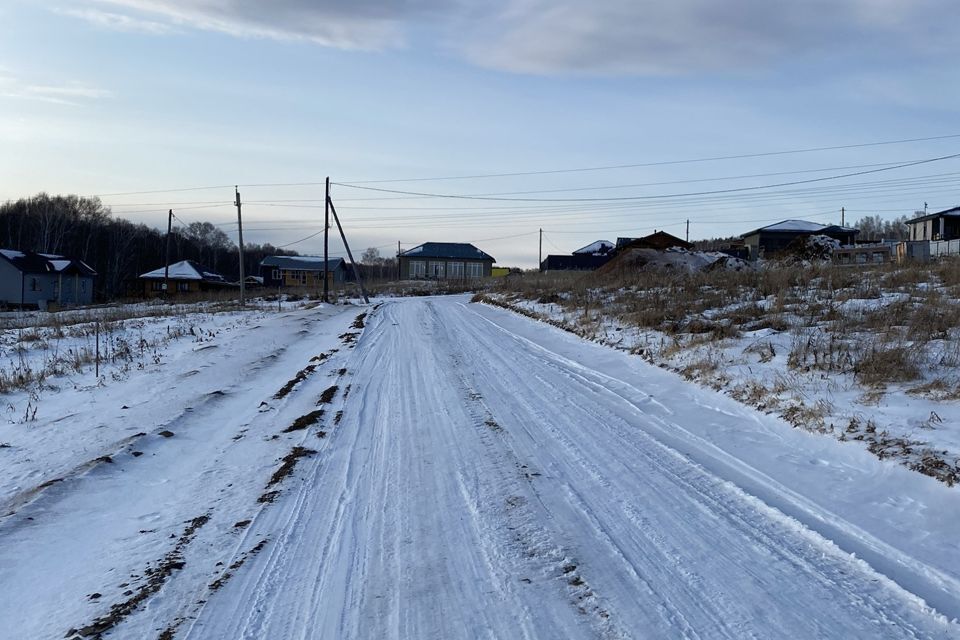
column 445, row 261
column 774, row 238
column 42, row 280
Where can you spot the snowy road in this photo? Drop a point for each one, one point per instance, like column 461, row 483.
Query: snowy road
column 484, row 476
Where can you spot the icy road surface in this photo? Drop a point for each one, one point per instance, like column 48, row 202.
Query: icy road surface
column 479, row 475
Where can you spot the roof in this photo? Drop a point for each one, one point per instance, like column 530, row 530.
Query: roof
column 656, row 240
column 600, row 246
column 303, row 263
column 42, row 263
column 801, row 226
column 455, row 250
column 946, row 213
column 185, row 270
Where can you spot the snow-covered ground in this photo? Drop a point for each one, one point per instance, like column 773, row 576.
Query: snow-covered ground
column 473, row 473
column 800, row 367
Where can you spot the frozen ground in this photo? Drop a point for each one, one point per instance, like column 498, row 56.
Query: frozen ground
column 473, row 474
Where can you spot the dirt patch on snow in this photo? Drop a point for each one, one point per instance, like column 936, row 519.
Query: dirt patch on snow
column 305, row 421
column 289, row 464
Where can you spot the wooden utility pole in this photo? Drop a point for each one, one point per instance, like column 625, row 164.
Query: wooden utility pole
column 398, row 260
column 688, row 230
column 843, row 215
column 243, row 298
column 166, row 266
column 326, row 243
column 540, row 263
column 356, row 273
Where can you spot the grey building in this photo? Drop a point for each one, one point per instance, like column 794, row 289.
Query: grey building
column 774, row 238
column 42, row 280
column 445, row 261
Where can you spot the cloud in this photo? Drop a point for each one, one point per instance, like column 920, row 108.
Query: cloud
column 117, row 21
column 71, row 93
column 653, row 37
column 344, row 24
column 615, row 37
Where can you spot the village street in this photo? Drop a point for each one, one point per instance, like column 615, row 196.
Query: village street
column 473, row 474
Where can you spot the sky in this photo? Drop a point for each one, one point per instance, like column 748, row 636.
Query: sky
column 493, row 120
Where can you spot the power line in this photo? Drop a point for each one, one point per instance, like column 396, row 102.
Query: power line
column 661, row 163
column 654, row 197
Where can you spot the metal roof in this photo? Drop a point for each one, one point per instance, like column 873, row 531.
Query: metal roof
column 800, row 226
column 303, row 263
column 454, row 250
column 37, row 263
column 946, row 213
column 185, row 270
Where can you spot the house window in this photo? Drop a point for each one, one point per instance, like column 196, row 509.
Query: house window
column 418, row 269
column 156, row 285
column 34, row 284
column 878, row 256
column 83, row 286
column 455, row 270
column 436, row 269
column 183, row 286
column 862, row 258
column 474, row 269
column 275, row 274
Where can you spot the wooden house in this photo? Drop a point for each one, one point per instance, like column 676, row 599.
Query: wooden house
column 302, row 271
column 184, row 277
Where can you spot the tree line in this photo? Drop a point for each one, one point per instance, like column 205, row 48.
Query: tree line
column 118, row 250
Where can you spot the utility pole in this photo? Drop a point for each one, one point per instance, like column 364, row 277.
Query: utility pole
column 166, row 267
column 243, row 298
column 326, row 243
column 688, row 230
column 398, row 260
column 356, row 273
column 540, row 263
column 843, row 215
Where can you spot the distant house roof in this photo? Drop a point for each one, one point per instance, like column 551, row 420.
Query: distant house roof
column 659, row 240
column 946, row 213
column 185, row 270
column 454, row 250
column 801, row 226
column 303, row 263
column 38, row 263
column 601, row 247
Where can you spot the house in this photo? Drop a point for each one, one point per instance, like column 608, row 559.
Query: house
column 774, row 238
column 185, row 277
column 44, row 280
column 593, row 256
column 943, row 225
column 445, row 261
column 658, row 240
column 302, row 271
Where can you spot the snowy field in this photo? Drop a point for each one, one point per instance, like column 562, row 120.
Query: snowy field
column 431, row 468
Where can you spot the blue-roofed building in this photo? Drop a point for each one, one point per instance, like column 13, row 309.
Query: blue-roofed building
column 445, row 261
